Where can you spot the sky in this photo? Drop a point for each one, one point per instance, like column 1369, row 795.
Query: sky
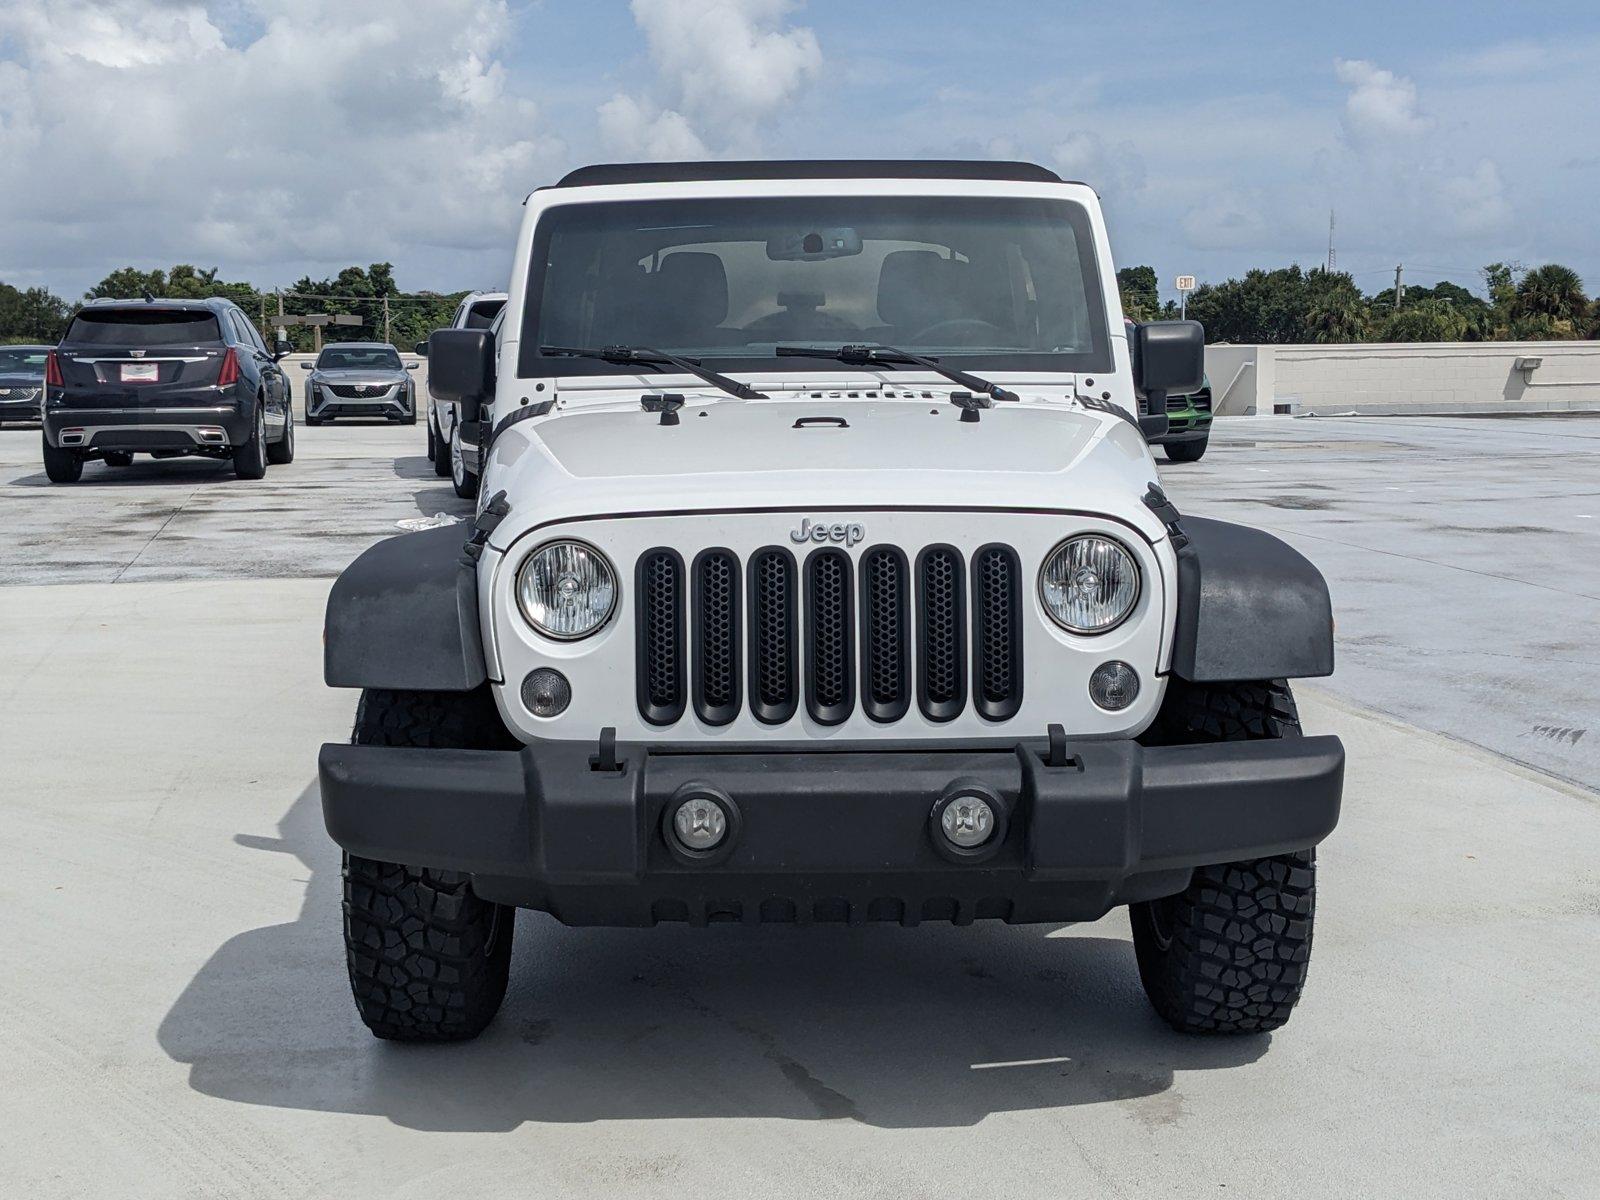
column 279, row 138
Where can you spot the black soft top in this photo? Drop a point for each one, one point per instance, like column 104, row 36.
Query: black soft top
column 844, row 168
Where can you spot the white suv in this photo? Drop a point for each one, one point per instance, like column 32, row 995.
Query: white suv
column 820, row 574
column 456, row 457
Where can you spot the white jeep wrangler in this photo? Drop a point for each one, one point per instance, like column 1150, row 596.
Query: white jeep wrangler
column 820, row 574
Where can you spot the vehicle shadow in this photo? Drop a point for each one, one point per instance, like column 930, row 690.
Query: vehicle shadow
column 890, row 1027
column 433, row 500
column 170, row 472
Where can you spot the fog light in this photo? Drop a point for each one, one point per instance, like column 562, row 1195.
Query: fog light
column 1114, row 685
column 700, row 824
column 546, row 692
column 967, row 821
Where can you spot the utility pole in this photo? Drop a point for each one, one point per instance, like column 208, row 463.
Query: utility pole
column 386, row 318
column 1399, row 286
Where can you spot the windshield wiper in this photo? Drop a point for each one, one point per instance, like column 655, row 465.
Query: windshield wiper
column 645, row 356
column 887, row 356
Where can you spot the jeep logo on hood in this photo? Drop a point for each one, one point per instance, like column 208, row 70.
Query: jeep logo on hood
column 847, row 532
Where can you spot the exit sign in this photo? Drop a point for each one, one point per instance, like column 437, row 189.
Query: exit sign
column 1185, row 283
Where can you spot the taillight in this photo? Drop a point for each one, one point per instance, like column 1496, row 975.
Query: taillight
column 52, row 371
column 229, row 375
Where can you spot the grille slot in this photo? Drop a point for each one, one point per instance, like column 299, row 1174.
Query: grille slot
column 941, row 633
column 996, row 632
column 659, row 666
column 774, row 615
column 885, row 634
column 830, row 671
column 717, row 636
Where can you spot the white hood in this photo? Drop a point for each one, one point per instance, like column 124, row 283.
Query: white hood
column 901, row 453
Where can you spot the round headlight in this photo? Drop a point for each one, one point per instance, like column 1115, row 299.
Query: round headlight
column 567, row 590
column 1089, row 584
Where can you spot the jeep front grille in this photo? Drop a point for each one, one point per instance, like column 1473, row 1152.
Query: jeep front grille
column 660, row 638
column 825, row 628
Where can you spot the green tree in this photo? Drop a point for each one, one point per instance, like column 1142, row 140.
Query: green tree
column 34, row 315
column 1277, row 306
column 1141, row 295
column 1337, row 312
column 1428, row 320
column 1556, row 292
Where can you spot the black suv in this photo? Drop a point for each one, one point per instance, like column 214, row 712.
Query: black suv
column 165, row 378
column 21, row 381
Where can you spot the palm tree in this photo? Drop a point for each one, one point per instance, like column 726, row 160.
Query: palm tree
column 1554, row 291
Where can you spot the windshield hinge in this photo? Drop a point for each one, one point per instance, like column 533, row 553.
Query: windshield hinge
column 493, row 513
column 665, row 403
column 1167, row 513
column 971, row 405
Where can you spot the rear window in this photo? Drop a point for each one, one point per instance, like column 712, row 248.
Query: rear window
column 143, row 327
column 483, row 312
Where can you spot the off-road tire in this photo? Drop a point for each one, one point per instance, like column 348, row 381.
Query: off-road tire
column 1228, row 954
column 61, row 465
column 281, row 452
column 1186, row 452
column 250, row 456
column 118, row 458
column 428, row 959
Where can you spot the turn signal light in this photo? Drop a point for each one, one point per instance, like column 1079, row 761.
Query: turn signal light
column 229, row 375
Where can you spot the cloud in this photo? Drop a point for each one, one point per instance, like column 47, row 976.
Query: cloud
column 1381, row 106
column 1115, row 170
column 723, row 67
column 294, row 130
column 1475, row 202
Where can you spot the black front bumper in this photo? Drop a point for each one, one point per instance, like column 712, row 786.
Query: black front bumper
column 831, row 835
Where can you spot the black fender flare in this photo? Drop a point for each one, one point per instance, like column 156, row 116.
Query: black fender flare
column 405, row 615
column 1249, row 607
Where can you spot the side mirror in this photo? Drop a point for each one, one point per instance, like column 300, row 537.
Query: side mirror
column 420, row 348
column 306, row 366
column 412, row 366
column 281, row 349
column 1168, row 356
column 461, row 368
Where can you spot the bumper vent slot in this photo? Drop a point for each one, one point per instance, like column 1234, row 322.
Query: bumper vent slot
column 830, row 636
column 885, row 634
column 941, row 633
column 996, row 632
column 660, row 658
column 716, row 636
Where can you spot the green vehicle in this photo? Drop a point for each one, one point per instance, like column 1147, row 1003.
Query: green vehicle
column 1188, row 425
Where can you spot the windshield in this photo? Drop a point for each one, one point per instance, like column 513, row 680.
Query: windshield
column 376, row 358
column 143, row 327
column 1001, row 283
column 23, row 360
column 482, row 313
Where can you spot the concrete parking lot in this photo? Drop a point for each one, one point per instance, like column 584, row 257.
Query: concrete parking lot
column 177, row 1021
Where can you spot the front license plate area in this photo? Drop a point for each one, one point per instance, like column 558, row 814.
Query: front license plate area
column 141, row 372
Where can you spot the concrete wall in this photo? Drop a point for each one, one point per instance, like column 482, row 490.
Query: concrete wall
column 1387, row 378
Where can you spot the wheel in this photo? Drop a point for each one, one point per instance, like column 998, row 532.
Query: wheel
column 433, row 443
column 62, row 466
column 428, row 960
column 313, row 420
column 1229, row 953
column 1186, row 451
column 439, row 450
column 465, row 482
column 250, row 458
column 282, row 450
column 410, row 418
column 118, row 458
